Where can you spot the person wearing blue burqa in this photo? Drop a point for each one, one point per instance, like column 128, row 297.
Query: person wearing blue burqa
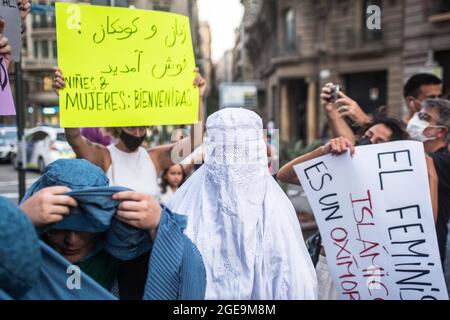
column 100, row 226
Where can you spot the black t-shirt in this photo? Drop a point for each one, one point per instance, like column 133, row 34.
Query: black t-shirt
column 441, row 159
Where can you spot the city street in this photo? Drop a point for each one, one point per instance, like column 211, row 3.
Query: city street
column 9, row 185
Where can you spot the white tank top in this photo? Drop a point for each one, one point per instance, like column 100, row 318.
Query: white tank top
column 133, row 170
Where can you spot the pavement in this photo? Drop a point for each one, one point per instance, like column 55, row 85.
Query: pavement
column 9, row 185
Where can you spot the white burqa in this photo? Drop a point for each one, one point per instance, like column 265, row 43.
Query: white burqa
column 241, row 220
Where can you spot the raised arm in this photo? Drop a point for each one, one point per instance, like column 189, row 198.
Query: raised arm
column 335, row 146
column 83, row 148
column 166, row 155
column 343, row 107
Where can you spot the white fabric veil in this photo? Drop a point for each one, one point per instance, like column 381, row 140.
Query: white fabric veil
column 241, row 220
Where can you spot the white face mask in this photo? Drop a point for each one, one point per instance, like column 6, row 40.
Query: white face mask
column 416, row 127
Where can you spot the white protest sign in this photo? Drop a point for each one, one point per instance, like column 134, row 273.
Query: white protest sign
column 375, row 217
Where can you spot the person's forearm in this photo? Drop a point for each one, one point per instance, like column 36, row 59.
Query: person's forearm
column 287, row 173
column 434, row 197
column 198, row 128
column 339, row 127
column 74, row 138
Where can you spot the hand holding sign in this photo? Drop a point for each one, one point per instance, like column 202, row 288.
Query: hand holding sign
column 24, row 8
column 200, row 82
column 376, row 221
column 5, row 48
column 136, row 71
column 6, row 100
column 58, row 80
column 9, row 12
column 338, row 146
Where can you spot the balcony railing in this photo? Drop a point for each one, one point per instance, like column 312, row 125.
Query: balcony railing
column 42, row 21
column 39, row 64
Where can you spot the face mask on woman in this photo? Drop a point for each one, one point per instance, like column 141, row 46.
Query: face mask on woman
column 131, row 142
column 363, row 141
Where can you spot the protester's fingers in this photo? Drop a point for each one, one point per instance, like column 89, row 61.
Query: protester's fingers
column 57, row 69
column 5, row 50
column 343, row 101
column 329, row 84
column 343, row 109
column 57, row 189
column 325, row 96
column 54, row 218
column 58, row 75
column 3, row 41
column 59, row 81
column 130, row 206
column 341, row 145
column 346, row 114
column 338, row 146
column 342, row 94
column 125, row 216
column 326, row 90
column 59, row 210
column 199, row 81
column 128, row 195
column 64, row 200
column 344, row 146
column 59, row 84
column 333, row 146
column 352, row 149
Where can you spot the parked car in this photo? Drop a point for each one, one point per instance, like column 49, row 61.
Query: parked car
column 8, row 143
column 43, row 145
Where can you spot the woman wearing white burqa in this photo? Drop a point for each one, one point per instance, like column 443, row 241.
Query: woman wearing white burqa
column 241, row 220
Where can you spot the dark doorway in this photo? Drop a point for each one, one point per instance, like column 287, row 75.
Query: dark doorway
column 443, row 59
column 369, row 89
column 297, row 109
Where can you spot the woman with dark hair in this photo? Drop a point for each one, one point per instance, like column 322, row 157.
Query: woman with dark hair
column 382, row 129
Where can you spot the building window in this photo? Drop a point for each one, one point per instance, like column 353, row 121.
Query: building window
column 44, row 21
column 161, row 7
column 36, row 20
column 111, row 3
column 370, row 35
column 53, row 21
column 54, row 49
column 121, row 3
column 44, row 49
column 35, row 49
column 289, row 28
column 101, row 2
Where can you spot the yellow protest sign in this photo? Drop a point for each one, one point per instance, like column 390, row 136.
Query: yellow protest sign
column 125, row 67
